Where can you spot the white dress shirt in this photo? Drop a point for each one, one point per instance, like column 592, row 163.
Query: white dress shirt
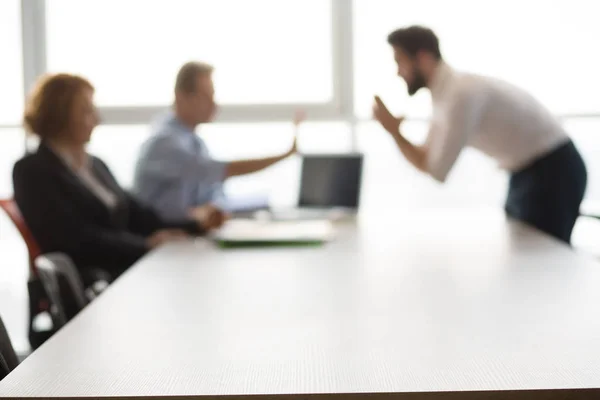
column 492, row 116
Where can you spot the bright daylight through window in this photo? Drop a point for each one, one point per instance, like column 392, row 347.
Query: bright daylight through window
column 11, row 66
column 275, row 57
column 548, row 50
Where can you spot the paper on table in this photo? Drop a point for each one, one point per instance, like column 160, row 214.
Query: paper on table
column 275, row 231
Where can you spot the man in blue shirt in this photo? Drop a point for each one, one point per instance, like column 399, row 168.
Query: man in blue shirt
column 175, row 173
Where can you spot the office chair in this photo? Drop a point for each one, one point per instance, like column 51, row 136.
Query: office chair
column 12, row 210
column 64, row 287
column 8, row 357
column 38, row 300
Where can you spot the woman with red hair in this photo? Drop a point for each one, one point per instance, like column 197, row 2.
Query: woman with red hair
column 70, row 200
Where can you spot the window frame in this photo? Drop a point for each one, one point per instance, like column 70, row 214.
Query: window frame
column 340, row 107
column 9, row 124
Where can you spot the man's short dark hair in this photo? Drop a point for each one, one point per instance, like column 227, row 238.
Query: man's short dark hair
column 188, row 74
column 414, row 39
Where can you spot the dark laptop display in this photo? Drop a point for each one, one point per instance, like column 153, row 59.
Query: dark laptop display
column 331, row 181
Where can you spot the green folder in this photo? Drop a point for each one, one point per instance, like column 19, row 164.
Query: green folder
column 233, row 244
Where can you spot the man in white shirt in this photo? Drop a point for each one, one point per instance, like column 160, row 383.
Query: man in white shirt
column 547, row 175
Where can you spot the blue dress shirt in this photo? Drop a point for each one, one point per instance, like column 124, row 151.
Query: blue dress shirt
column 175, row 171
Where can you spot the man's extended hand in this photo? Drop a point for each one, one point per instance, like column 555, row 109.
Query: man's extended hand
column 299, row 118
column 389, row 122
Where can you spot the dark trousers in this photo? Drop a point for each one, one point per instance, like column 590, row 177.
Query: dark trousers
column 547, row 193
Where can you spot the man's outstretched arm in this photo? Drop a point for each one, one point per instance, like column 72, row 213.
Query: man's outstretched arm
column 244, row 167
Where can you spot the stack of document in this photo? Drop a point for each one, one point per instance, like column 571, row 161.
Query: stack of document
column 249, row 232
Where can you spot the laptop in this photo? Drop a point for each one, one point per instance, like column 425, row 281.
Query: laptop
column 330, row 186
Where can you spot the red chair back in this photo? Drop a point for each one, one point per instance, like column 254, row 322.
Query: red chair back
column 12, row 210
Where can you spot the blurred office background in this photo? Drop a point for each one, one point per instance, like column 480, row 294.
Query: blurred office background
column 328, row 57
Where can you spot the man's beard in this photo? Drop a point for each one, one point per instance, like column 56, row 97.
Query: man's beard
column 417, row 83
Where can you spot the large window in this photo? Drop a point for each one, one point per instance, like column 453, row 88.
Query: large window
column 264, row 51
column 544, row 47
column 272, row 56
column 11, row 64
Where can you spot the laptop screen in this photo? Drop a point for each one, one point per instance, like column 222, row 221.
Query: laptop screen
column 331, row 181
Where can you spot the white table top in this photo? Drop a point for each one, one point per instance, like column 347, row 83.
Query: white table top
column 428, row 304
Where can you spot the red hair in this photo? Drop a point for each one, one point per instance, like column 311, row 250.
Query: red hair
column 49, row 106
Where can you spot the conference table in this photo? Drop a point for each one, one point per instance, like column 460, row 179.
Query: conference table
column 419, row 305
